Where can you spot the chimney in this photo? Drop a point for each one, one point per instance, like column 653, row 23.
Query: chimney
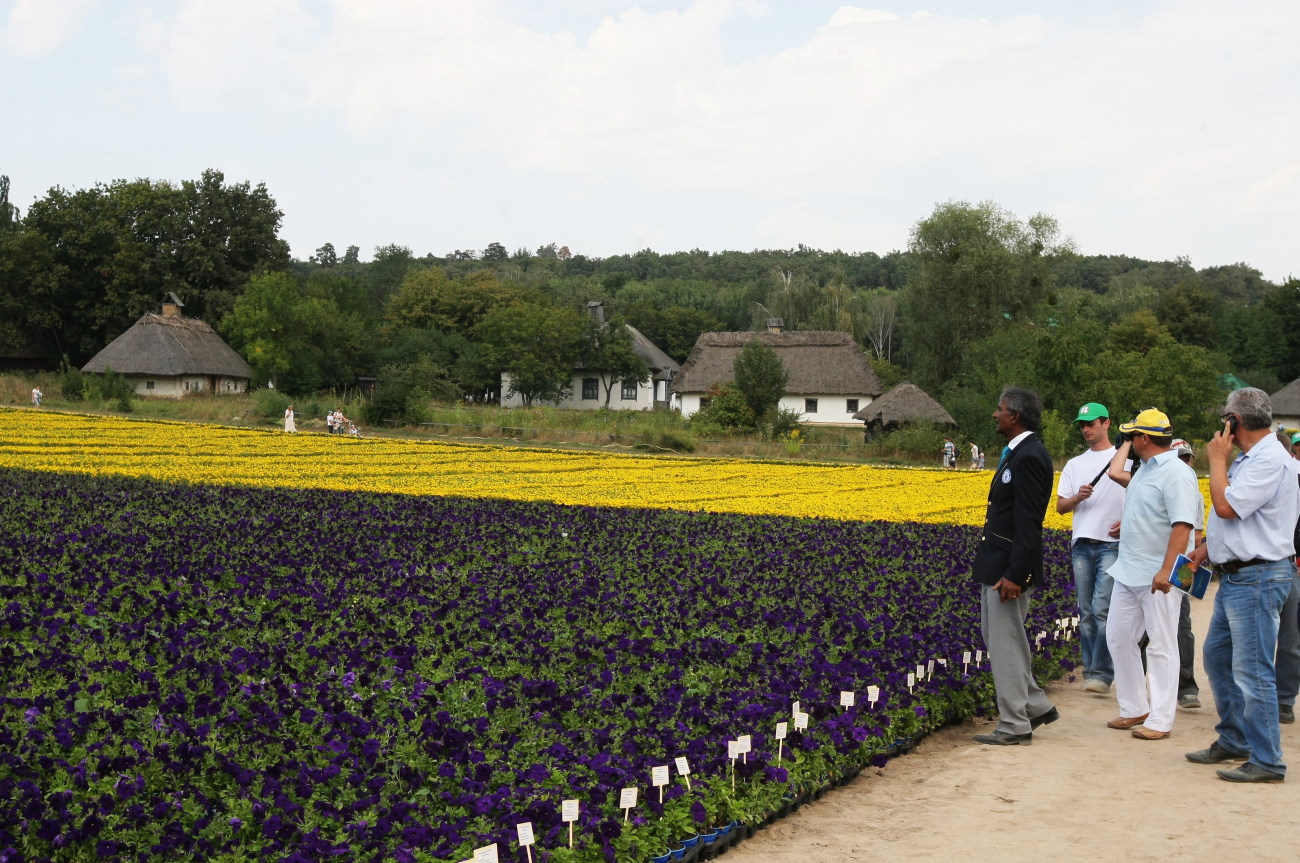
column 774, row 325
column 596, row 311
column 172, row 306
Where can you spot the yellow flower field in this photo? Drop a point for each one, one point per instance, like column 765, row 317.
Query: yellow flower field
column 77, row 443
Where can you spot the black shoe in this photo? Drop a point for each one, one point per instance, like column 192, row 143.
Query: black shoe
column 1286, row 713
column 1002, row 738
column 1250, row 773
column 1045, row 718
column 1214, row 754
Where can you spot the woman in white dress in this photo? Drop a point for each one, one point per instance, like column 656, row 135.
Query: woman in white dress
column 288, row 420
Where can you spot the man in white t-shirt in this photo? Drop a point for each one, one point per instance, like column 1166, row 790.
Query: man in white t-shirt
column 1097, row 504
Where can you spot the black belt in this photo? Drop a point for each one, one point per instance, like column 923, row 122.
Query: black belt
column 1083, row 539
column 1231, row 567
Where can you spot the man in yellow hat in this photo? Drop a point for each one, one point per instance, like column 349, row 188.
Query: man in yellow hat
column 1159, row 511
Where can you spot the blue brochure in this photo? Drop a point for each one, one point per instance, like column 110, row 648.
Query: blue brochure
column 1189, row 580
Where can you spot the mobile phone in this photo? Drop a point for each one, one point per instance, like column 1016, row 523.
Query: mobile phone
column 1232, row 423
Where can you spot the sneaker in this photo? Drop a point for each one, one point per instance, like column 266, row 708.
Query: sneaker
column 1100, row 687
column 1190, row 701
column 1286, row 713
column 1213, row 754
column 1250, row 773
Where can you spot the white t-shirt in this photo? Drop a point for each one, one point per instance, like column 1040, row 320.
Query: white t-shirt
column 1092, row 517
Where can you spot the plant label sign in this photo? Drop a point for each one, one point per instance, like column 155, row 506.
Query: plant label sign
column 965, row 661
column 781, row 729
column 659, row 778
column 627, row 801
column 525, row 831
column 873, row 695
column 911, row 681
column 486, row 854
column 780, row 740
column 847, row 698
column 684, row 770
column 744, row 744
column 920, row 672
column 569, row 810
column 733, row 749
column 800, row 721
column 795, row 709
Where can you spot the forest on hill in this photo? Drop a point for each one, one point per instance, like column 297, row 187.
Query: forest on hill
column 979, row 299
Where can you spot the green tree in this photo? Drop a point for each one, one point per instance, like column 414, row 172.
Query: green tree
column 1190, row 313
column 537, row 345
column 760, row 377
column 977, row 268
column 610, row 355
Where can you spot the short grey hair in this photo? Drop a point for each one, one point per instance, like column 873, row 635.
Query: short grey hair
column 1253, row 406
column 1027, row 403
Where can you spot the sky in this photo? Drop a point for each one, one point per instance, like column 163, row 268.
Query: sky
column 1145, row 128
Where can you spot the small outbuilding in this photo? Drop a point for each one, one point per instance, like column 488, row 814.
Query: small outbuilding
column 905, row 403
column 171, row 355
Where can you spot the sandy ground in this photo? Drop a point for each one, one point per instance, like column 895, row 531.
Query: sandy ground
column 1081, row 792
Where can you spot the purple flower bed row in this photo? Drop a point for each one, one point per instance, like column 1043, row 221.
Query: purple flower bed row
column 302, row 675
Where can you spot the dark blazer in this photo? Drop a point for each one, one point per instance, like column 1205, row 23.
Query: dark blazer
column 1012, row 544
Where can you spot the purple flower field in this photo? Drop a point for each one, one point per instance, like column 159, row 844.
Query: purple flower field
column 194, row 671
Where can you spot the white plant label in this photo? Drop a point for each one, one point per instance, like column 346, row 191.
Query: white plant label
column 795, row 709
column 659, row 775
column 847, row 698
column 525, row 831
column 965, row 658
column 683, row 767
column 979, row 656
column 744, row 744
column 911, row 681
column 780, row 730
column 486, row 854
column 920, row 672
column 733, row 749
column 569, row 810
column 873, row 694
column 627, row 798
column 800, row 721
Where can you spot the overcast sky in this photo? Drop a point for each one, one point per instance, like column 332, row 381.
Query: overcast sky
column 1152, row 129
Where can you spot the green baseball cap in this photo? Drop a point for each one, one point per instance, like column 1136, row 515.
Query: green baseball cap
column 1092, row 411
column 1295, row 438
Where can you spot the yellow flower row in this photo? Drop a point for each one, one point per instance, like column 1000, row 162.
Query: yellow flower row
column 44, row 440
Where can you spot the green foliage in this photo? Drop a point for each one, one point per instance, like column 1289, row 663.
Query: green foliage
column 537, row 345
column 978, row 269
column 921, row 442
column 405, row 390
column 785, row 423
column 1056, row 433
column 273, row 403
column 760, row 377
column 727, row 410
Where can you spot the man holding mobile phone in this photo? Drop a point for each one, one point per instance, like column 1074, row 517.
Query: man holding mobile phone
column 1250, row 541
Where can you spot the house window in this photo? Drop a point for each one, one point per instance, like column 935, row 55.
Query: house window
column 590, row 388
column 705, row 401
column 852, row 406
column 629, row 391
column 148, row 385
column 810, row 406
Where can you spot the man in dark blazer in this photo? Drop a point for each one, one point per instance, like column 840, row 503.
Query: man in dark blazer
column 1009, row 564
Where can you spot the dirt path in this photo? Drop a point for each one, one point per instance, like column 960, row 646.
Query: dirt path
column 1081, row 792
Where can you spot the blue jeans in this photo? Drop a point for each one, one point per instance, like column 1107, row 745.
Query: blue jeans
column 1093, row 586
column 1238, row 656
column 1288, row 646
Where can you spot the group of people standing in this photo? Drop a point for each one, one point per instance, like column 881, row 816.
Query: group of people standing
column 1137, row 507
column 335, row 422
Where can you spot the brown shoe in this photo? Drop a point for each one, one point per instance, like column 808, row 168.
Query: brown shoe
column 1124, row 723
column 1144, row 733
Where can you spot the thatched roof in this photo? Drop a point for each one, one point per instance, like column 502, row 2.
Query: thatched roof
column 662, row 366
column 168, row 345
column 903, row 404
column 817, row 362
column 1286, row 401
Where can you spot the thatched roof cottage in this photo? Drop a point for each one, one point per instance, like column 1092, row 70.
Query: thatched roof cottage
column 588, row 388
column 171, row 355
column 905, row 403
column 829, row 377
column 1286, row 405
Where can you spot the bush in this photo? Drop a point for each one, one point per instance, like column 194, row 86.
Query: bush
column 272, row 403
column 784, row 422
column 727, row 409
column 922, row 442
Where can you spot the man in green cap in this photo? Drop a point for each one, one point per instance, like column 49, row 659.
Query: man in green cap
column 1097, row 503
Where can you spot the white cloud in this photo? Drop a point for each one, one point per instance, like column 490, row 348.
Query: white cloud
column 37, row 27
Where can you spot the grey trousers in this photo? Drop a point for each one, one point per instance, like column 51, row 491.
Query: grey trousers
column 1002, row 624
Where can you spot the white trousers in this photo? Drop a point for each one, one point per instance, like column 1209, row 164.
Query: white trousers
column 1133, row 611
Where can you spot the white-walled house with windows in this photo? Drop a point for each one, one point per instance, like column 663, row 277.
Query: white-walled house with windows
column 170, row 355
column 592, row 389
column 829, row 377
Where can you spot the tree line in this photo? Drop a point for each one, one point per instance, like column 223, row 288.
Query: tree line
column 978, row 299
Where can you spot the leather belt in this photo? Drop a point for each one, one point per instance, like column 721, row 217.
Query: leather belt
column 1231, row 567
